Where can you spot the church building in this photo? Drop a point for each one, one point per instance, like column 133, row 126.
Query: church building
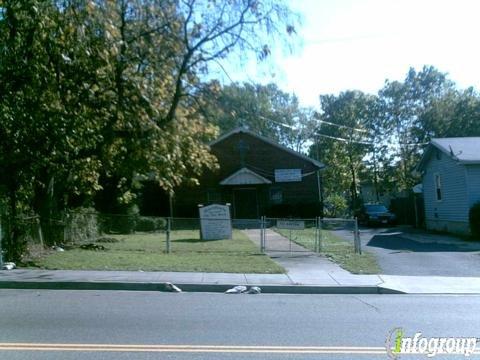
column 257, row 176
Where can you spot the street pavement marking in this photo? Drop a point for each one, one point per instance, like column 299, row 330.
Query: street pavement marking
column 192, row 348
column 196, row 348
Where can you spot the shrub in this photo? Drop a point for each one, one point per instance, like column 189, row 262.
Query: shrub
column 335, row 206
column 149, row 223
column 474, row 218
column 119, row 224
column 123, row 223
column 81, row 225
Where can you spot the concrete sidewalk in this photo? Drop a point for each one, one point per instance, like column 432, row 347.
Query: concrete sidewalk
column 307, row 273
column 304, row 266
column 328, row 283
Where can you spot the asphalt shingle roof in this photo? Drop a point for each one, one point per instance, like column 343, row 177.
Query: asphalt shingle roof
column 463, row 149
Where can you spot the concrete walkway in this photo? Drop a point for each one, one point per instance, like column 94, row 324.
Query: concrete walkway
column 28, row 275
column 302, row 265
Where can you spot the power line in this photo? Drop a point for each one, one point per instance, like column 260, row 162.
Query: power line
column 344, row 140
column 278, row 122
column 365, row 142
column 337, row 138
column 342, row 126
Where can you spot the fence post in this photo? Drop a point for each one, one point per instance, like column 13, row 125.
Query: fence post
column 168, row 235
column 316, row 235
column 262, row 234
column 39, row 230
column 319, row 226
column 356, row 238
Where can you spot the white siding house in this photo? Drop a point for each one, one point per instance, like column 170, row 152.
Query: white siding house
column 450, row 169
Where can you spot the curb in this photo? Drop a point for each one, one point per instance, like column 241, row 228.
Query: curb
column 215, row 288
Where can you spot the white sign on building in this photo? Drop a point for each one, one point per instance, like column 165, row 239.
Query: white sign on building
column 288, row 175
column 215, row 222
column 291, row 224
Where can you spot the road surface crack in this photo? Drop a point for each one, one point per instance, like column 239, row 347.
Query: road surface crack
column 368, row 304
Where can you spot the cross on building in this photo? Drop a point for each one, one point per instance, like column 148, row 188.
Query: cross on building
column 242, row 148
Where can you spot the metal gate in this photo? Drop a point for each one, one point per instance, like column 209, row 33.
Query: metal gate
column 289, row 235
column 346, row 229
column 306, row 235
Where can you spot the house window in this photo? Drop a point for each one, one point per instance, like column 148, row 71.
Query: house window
column 276, row 196
column 438, row 187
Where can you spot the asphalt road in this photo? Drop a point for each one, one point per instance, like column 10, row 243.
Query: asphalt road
column 152, row 325
column 401, row 251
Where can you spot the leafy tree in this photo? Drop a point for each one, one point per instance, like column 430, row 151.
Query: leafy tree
column 376, row 173
column 142, row 52
column 403, row 104
column 335, row 205
column 305, row 129
column 211, row 30
column 342, row 141
column 95, row 95
column 264, row 109
column 35, row 124
column 392, row 129
column 456, row 113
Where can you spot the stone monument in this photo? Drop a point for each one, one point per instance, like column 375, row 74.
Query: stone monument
column 215, row 222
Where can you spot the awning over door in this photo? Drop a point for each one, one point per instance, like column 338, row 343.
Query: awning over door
column 245, row 176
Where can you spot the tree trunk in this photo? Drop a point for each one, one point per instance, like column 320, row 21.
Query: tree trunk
column 46, row 204
column 354, row 182
column 13, row 248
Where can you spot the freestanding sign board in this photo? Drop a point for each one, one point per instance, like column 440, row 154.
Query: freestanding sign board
column 215, row 222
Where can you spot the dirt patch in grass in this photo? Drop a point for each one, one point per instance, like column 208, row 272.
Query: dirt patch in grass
column 106, row 239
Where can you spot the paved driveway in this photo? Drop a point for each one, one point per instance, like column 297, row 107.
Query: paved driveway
column 407, row 251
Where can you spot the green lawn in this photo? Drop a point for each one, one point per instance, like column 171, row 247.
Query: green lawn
column 336, row 249
column 145, row 251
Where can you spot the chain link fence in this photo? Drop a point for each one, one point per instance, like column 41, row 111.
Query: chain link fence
column 339, row 228
column 75, row 228
column 309, row 235
column 290, row 235
column 89, row 229
column 97, row 231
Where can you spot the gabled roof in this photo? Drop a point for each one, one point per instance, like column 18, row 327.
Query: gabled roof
column 244, row 176
column 465, row 150
column 241, row 130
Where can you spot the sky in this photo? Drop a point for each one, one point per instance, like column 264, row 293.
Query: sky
column 358, row 44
